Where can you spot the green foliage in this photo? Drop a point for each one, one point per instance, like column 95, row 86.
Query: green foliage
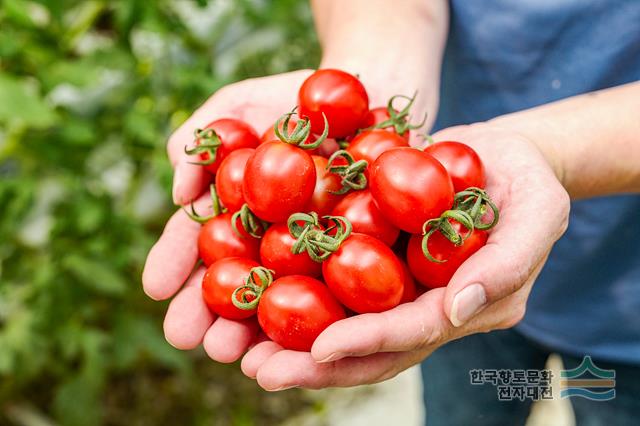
column 89, row 92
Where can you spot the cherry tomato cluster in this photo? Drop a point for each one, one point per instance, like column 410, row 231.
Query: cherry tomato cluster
column 304, row 233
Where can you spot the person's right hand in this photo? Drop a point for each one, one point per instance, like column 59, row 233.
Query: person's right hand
column 170, row 262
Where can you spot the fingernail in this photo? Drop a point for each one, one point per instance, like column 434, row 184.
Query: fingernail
column 284, row 388
column 333, row 357
column 467, row 303
column 177, row 183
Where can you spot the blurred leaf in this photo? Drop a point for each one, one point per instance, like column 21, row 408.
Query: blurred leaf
column 95, row 274
column 19, row 105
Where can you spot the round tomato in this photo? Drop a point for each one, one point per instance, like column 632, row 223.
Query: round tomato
column 369, row 144
column 295, row 309
column 279, row 180
column 409, row 292
column 323, row 198
column 462, row 163
column 360, row 209
column 219, row 138
column 275, row 254
column 364, row 275
column 230, row 176
column 219, row 283
column 379, row 115
column 437, row 274
column 410, row 187
column 339, row 96
column 217, row 240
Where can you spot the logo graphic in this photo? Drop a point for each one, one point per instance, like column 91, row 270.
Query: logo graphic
column 588, row 381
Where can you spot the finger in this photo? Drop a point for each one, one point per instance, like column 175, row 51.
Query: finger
column 286, row 369
column 257, row 356
column 172, row 258
column 404, row 328
column 226, row 340
column 532, row 219
column 188, row 317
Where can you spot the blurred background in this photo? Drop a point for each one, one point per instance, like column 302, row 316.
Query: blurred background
column 89, row 92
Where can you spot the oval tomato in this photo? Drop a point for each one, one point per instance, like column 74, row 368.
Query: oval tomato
column 217, row 240
column 410, row 187
column 434, row 274
column 364, row 275
column 233, row 134
column 279, row 180
column 219, row 283
column 337, row 94
column 275, row 254
column 369, row 144
column 323, row 200
column 360, row 209
column 462, row 163
column 230, row 176
column 295, row 309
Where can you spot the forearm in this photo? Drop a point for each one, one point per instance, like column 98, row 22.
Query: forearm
column 592, row 140
column 395, row 47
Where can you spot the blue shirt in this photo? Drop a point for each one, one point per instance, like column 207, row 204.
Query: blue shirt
column 507, row 55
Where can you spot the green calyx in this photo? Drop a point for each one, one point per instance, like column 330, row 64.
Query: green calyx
column 399, row 119
column 207, row 141
column 251, row 223
column 215, row 206
column 247, row 296
column 300, row 134
column 475, row 202
column 312, row 238
column 352, row 173
column 444, row 226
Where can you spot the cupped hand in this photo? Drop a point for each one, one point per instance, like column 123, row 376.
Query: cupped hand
column 489, row 291
column 170, row 263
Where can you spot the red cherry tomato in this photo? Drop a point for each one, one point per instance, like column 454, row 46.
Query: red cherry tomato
column 233, row 134
column 369, row 144
column 360, row 209
column 275, row 254
column 230, row 176
column 326, row 148
column 410, row 187
column 380, row 114
column 337, row 94
column 322, row 201
column 462, row 163
column 279, row 180
column 434, row 274
column 410, row 292
column 217, row 240
column 295, row 309
column 219, row 283
column 364, row 275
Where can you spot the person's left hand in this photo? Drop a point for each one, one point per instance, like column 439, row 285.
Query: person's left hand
column 488, row 292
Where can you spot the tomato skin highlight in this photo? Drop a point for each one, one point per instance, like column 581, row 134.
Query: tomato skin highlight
column 230, row 176
column 364, row 275
column 219, row 283
column 217, row 240
column 279, row 180
column 295, row 309
column 433, row 274
column 340, row 96
column 323, row 201
column 370, row 144
column 360, row 209
column 234, row 134
column 410, row 187
column 462, row 163
column 275, row 254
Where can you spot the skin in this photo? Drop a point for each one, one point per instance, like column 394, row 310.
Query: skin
column 583, row 146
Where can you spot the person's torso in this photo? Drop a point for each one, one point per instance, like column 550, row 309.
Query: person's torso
column 503, row 56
